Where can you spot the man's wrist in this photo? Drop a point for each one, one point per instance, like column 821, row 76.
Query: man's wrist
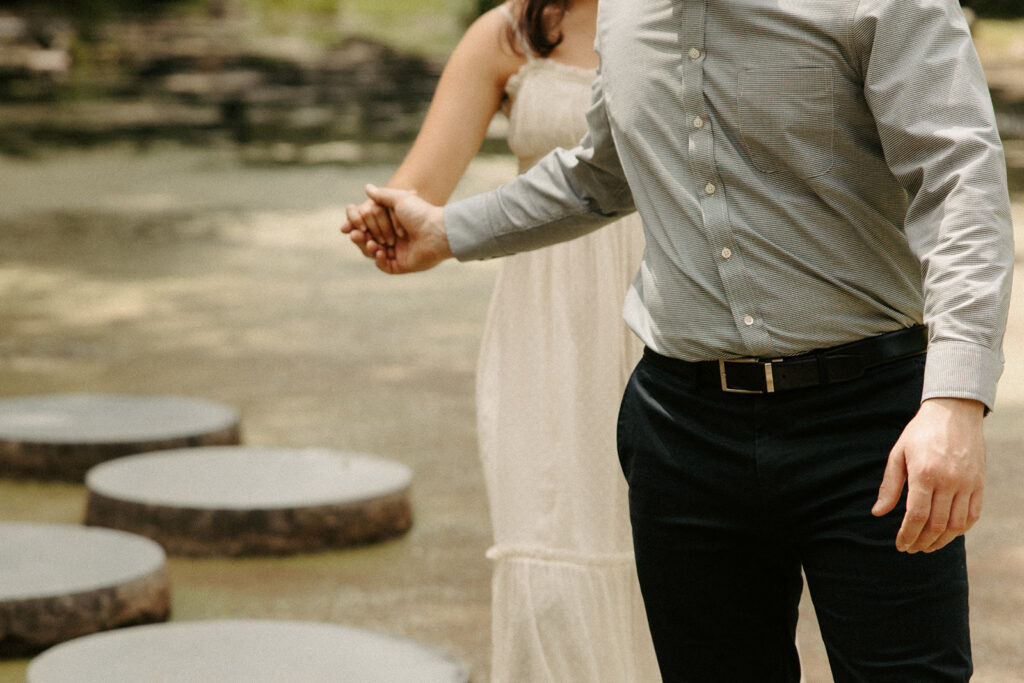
column 966, row 407
column 444, row 248
column 963, row 370
column 466, row 228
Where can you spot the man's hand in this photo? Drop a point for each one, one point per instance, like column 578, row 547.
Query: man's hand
column 941, row 458
column 370, row 228
column 422, row 242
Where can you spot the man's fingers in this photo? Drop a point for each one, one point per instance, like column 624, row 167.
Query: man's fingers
column 965, row 512
column 939, row 521
column 360, row 239
column 384, row 263
column 943, row 463
column 385, row 196
column 372, row 248
column 375, row 228
column 354, row 221
column 974, row 507
column 378, row 221
column 892, row 482
column 919, row 511
column 957, row 525
column 397, row 224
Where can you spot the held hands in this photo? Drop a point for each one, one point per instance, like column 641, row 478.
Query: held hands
column 941, row 458
column 369, row 226
column 400, row 231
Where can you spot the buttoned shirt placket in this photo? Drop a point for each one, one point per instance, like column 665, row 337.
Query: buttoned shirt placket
column 809, row 174
column 709, row 186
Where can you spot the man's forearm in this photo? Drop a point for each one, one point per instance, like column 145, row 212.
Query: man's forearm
column 540, row 208
column 565, row 195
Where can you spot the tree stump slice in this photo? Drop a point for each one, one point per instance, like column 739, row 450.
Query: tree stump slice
column 242, row 500
column 59, row 582
column 244, row 652
column 61, row 436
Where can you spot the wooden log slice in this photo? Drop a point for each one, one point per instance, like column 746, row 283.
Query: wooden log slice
column 61, row 436
column 242, row 500
column 59, row 582
column 244, row 652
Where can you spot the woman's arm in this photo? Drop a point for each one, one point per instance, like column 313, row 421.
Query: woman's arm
column 468, row 94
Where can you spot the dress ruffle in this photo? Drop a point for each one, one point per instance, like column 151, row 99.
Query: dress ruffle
column 568, row 618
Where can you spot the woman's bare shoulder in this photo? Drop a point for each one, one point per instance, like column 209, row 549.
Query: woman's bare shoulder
column 489, row 39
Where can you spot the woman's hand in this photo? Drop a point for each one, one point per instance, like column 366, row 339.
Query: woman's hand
column 424, row 242
column 371, row 227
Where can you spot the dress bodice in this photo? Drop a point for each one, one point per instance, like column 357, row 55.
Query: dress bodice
column 546, row 103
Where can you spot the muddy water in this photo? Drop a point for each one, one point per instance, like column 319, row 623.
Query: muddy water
column 181, row 272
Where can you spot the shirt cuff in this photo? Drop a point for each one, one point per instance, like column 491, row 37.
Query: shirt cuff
column 956, row 369
column 468, row 230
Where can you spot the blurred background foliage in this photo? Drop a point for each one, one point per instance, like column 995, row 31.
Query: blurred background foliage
column 297, row 71
column 481, row 6
column 1004, row 9
column 412, row 24
column 89, row 16
column 292, row 71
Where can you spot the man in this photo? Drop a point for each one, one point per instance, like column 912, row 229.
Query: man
column 819, row 180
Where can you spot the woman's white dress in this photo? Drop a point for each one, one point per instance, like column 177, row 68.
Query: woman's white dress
column 554, row 361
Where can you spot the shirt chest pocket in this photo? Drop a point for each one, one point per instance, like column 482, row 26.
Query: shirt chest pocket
column 786, row 119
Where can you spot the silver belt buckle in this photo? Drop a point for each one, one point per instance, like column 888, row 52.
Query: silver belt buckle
column 769, row 380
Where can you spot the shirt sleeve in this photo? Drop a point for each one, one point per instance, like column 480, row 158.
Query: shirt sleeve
column 926, row 89
column 566, row 194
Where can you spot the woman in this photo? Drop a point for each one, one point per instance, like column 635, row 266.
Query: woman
column 554, row 360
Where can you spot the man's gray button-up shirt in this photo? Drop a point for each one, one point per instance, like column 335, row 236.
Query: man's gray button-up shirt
column 845, row 179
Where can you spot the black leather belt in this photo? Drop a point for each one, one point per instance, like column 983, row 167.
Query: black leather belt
column 816, row 368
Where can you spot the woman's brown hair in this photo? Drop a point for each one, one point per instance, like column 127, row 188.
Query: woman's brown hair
column 538, row 21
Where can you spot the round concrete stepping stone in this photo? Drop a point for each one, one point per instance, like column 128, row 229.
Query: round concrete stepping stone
column 60, row 436
column 244, row 652
column 243, row 500
column 59, row 582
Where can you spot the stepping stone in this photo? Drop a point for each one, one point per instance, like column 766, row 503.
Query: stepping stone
column 60, row 436
column 244, row 652
column 244, row 500
column 59, row 582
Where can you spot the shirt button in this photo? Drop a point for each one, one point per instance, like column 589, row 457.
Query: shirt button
column 694, row 53
column 709, row 188
column 698, row 123
column 748, row 320
column 726, row 252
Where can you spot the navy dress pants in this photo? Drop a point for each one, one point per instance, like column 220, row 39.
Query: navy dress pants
column 731, row 495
